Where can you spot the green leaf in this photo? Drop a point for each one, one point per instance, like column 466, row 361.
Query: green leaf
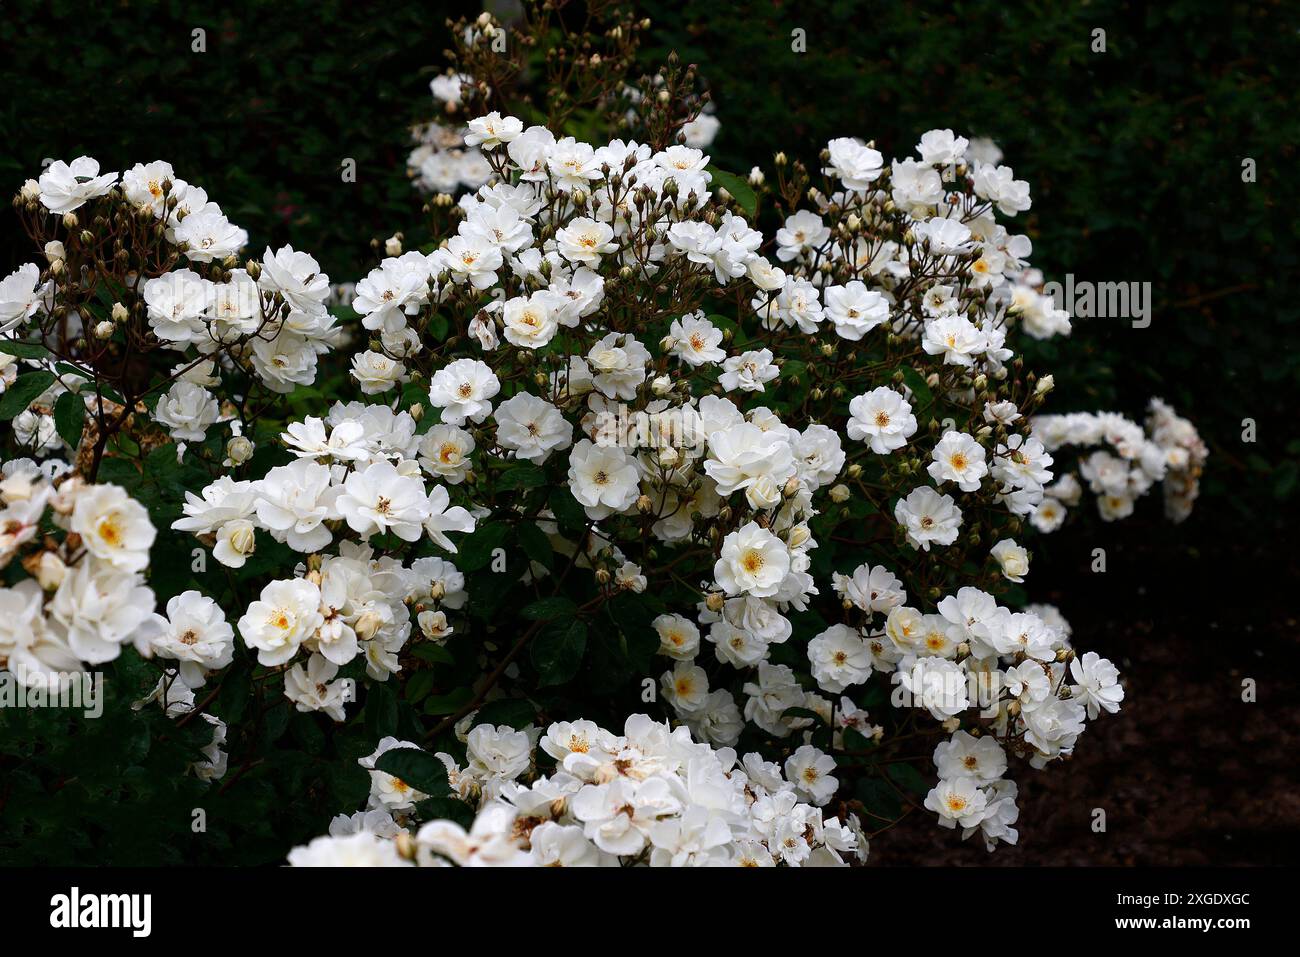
column 66, row 368
column 920, row 390
column 522, row 476
column 236, row 689
column 448, row 703
column 70, row 418
column 514, row 712
column 557, row 652
column 854, row 740
column 548, row 609
column 726, row 323
column 738, row 187
column 632, row 614
column 448, row 808
column 23, row 350
column 880, row 800
column 801, row 713
column 569, row 515
column 476, row 549
column 381, row 710
column 908, row 778
column 420, row 769
column 437, row 654
column 418, row 686
column 535, row 543
column 23, row 392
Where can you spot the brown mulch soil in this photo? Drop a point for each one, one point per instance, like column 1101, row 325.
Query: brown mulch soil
column 1187, row 772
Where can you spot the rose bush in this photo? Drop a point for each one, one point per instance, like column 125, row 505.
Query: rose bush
column 605, row 455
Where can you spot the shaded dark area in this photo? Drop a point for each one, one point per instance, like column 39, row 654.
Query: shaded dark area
column 1187, row 773
column 262, row 117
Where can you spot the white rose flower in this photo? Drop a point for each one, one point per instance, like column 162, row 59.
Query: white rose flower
column 928, row 518
column 882, row 418
column 532, row 428
column 753, row 562
column 287, row 614
column 114, row 527
column 463, row 390
column 186, row 411
column 68, row 186
column 197, row 635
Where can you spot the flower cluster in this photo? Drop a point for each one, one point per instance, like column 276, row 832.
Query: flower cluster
column 1130, row 461
column 144, row 263
column 357, row 474
column 85, row 548
column 446, row 158
column 650, row 796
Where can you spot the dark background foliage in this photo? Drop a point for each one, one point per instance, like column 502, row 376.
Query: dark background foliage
column 1135, row 159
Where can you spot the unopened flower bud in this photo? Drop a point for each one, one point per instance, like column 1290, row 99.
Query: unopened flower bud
column 756, row 177
column 714, row 601
column 840, row 493
column 367, row 625
column 120, row 313
column 239, row 450
column 393, row 246
column 49, row 571
column 103, row 329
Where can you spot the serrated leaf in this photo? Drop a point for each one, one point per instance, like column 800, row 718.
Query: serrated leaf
column 571, row 517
